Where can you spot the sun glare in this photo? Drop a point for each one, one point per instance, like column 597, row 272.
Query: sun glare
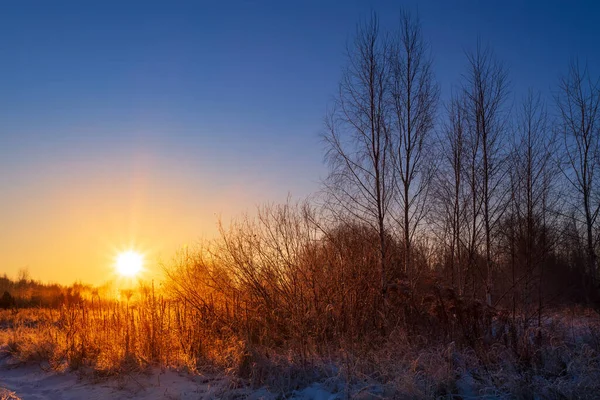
column 129, row 263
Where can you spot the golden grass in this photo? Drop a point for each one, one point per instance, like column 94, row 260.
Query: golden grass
column 110, row 338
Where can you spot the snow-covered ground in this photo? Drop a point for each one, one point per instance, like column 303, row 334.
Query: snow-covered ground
column 32, row 382
column 565, row 365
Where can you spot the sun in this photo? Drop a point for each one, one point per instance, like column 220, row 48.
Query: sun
column 129, row 263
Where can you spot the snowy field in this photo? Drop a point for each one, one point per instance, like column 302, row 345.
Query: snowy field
column 557, row 361
column 32, row 382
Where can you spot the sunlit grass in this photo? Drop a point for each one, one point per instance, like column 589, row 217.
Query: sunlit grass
column 105, row 334
column 112, row 338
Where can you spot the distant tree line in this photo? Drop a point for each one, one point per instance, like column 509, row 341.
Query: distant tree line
column 25, row 292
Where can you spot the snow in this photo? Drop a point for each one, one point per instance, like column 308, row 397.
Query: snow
column 18, row 381
column 31, row 382
column 316, row 392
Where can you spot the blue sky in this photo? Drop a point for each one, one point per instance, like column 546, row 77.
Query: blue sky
column 218, row 103
column 244, row 81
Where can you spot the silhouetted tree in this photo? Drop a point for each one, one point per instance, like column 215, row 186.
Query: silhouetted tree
column 357, row 137
column 451, row 189
column 414, row 95
column 486, row 90
column 532, row 175
column 578, row 102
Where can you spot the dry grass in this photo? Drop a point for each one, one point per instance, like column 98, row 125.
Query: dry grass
column 559, row 360
column 111, row 337
column 7, row 395
column 550, row 362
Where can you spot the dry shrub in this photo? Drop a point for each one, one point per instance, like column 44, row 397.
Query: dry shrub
column 6, row 394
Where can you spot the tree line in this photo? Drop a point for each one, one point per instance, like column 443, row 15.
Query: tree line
column 496, row 191
column 444, row 217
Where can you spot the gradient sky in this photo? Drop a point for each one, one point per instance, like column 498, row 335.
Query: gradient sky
column 136, row 123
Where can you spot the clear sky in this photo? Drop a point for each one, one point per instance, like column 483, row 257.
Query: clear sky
column 136, row 123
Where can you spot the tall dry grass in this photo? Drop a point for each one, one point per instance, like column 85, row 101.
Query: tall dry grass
column 559, row 360
column 112, row 337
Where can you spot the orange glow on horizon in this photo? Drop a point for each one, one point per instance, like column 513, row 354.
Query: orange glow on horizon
column 69, row 222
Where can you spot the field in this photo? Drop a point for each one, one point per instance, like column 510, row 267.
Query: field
column 149, row 347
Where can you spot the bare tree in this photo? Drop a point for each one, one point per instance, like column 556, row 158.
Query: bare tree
column 578, row 103
column 486, row 88
column 414, row 95
column 533, row 175
column 474, row 227
column 451, row 188
column 357, row 140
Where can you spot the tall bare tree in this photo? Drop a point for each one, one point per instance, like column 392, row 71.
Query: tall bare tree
column 578, row 103
column 451, row 189
column 486, row 89
column 474, row 226
column 414, row 95
column 357, row 139
column 533, row 175
column 453, row 185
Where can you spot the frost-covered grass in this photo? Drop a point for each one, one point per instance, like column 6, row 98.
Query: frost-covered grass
column 560, row 359
column 137, row 342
